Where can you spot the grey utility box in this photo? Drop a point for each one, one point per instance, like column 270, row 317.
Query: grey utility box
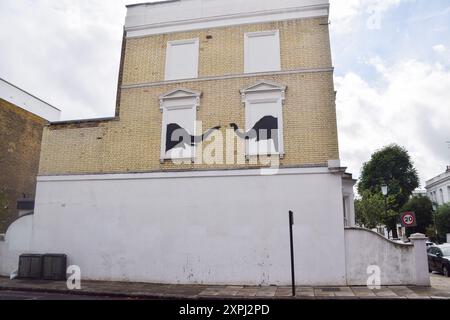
column 54, row 267
column 30, row 266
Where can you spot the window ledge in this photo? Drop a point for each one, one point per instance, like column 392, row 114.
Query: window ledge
column 163, row 161
column 281, row 155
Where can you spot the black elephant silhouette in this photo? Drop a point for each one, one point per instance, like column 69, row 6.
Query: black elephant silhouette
column 178, row 137
column 265, row 129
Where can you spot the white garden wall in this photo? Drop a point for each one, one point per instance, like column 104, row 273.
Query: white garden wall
column 16, row 242
column 400, row 264
column 228, row 227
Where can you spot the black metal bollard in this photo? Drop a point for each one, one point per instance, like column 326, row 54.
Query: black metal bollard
column 291, row 224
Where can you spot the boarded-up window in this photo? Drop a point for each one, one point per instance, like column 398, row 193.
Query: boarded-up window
column 264, row 118
column 262, row 51
column 179, row 109
column 182, row 59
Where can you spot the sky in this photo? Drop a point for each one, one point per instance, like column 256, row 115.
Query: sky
column 391, row 58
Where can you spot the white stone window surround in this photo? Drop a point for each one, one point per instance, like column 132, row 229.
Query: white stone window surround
column 181, row 100
column 265, row 92
column 257, row 55
column 176, row 58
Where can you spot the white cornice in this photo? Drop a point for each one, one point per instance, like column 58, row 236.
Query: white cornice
column 143, row 29
column 227, row 77
column 182, row 174
column 437, row 181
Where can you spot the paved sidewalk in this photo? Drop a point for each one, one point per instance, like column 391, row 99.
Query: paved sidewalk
column 440, row 289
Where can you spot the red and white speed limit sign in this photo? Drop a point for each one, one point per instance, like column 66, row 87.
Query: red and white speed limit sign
column 409, row 219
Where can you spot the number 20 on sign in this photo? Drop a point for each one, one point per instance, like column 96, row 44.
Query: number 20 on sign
column 408, row 219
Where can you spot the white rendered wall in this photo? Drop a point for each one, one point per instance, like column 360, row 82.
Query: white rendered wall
column 349, row 199
column 215, row 230
column 366, row 248
column 175, row 16
column 17, row 241
column 28, row 102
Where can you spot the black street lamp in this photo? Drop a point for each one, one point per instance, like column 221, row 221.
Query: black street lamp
column 434, row 217
column 384, row 191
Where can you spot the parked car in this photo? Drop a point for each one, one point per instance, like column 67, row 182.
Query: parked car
column 439, row 259
column 430, row 244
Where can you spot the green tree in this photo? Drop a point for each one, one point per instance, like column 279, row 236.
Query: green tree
column 443, row 221
column 391, row 166
column 423, row 208
column 431, row 234
column 370, row 210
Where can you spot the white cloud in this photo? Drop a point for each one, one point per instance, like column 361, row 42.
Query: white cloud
column 443, row 53
column 409, row 107
column 423, row 16
column 440, row 48
column 345, row 12
column 66, row 52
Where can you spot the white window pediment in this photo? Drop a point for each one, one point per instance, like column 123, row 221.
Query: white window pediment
column 180, row 97
column 180, row 93
column 264, row 86
column 263, row 89
column 264, row 114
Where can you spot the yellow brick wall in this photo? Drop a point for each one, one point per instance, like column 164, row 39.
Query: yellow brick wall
column 132, row 142
column 20, row 145
column 304, row 44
